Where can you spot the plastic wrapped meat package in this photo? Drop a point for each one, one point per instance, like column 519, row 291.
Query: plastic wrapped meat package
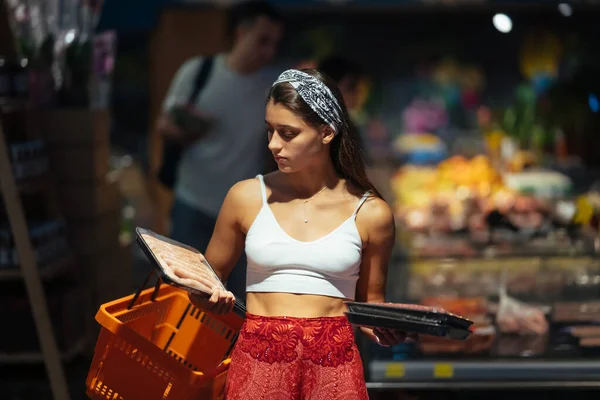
column 581, row 320
column 576, row 312
column 588, row 336
column 516, row 317
column 180, row 265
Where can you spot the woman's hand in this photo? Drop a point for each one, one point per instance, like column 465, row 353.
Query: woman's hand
column 389, row 337
column 221, row 301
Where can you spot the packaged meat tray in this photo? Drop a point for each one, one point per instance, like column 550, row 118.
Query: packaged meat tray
column 178, row 264
column 409, row 326
column 411, row 312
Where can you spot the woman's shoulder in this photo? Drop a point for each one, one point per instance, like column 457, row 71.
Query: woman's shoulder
column 376, row 215
column 244, row 201
column 374, row 206
column 246, row 190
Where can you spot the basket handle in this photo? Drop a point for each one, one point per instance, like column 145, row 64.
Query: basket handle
column 143, row 285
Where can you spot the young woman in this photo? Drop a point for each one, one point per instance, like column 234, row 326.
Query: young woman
column 316, row 233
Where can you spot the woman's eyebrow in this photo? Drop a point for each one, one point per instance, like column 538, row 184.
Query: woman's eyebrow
column 282, row 125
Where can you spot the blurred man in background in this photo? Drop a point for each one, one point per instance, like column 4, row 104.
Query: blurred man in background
column 347, row 74
column 214, row 113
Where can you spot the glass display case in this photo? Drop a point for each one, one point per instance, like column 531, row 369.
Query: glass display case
column 534, row 319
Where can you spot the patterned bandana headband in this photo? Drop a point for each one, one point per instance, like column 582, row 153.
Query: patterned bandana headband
column 316, row 94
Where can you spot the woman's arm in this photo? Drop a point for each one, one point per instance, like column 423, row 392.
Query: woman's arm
column 380, row 231
column 379, row 236
column 227, row 242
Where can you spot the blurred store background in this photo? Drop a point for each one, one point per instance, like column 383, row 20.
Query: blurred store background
column 481, row 122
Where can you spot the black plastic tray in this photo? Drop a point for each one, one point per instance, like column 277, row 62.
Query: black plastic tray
column 427, row 315
column 239, row 305
column 408, row 326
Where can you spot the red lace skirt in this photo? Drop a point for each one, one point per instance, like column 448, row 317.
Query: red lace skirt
column 284, row 358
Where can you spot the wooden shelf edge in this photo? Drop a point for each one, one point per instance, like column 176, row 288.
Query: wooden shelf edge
column 37, row 357
column 47, row 271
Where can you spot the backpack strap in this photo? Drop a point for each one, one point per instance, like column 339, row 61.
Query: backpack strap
column 201, row 78
column 172, row 152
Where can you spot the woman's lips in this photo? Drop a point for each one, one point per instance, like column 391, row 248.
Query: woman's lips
column 280, row 159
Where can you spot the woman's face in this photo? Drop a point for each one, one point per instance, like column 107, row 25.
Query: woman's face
column 294, row 144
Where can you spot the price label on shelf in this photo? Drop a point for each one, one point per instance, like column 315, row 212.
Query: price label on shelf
column 443, row 370
column 394, row 370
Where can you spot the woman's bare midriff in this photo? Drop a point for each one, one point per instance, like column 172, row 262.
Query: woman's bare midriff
column 294, row 305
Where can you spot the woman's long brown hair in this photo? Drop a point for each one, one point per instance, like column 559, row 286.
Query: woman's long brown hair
column 347, row 153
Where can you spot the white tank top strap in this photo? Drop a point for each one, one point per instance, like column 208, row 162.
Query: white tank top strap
column 361, row 202
column 263, row 189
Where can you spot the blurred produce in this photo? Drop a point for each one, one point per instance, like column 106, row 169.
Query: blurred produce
column 462, row 204
column 422, row 116
column 420, row 148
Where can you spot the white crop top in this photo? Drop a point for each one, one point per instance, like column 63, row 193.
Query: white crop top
column 328, row 266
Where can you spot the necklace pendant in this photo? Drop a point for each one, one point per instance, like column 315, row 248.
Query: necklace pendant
column 305, row 221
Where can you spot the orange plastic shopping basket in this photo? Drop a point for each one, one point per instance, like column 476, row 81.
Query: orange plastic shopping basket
column 156, row 345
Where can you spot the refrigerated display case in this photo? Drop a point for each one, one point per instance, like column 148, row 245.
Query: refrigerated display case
column 561, row 350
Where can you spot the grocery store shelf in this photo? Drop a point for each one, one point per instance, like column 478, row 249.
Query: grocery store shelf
column 47, row 271
column 484, row 374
